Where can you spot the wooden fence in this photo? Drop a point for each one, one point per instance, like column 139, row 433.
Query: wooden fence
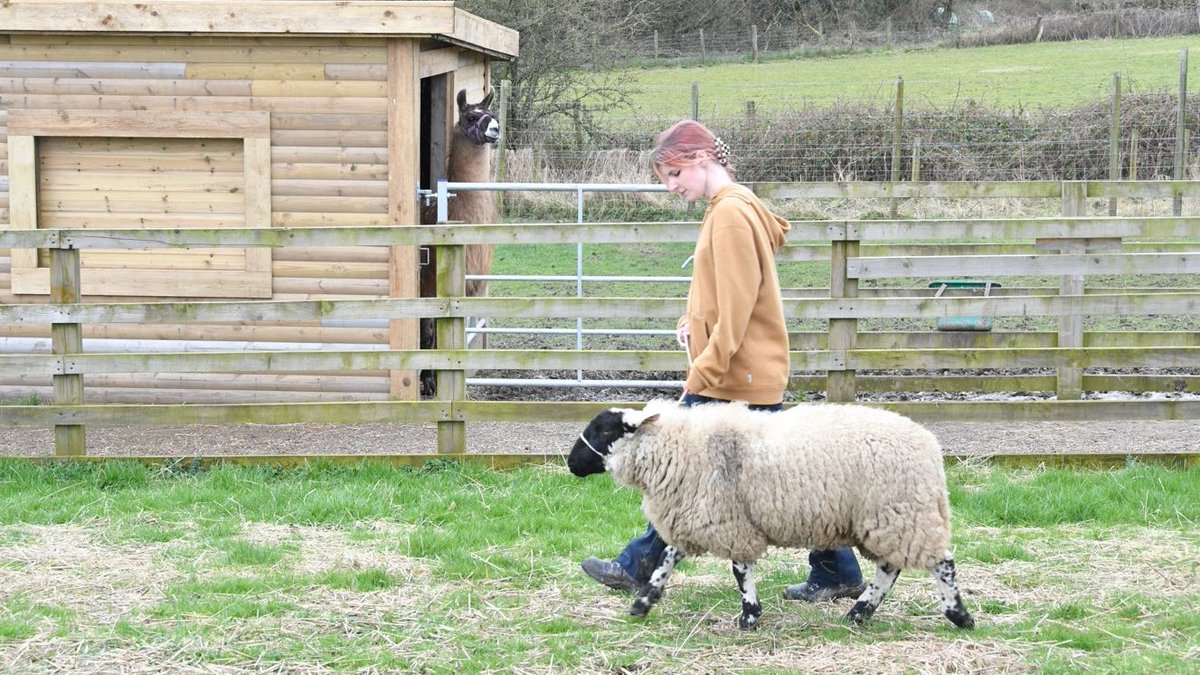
column 863, row 255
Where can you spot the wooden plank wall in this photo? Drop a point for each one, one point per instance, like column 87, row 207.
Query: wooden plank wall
column 327, row 103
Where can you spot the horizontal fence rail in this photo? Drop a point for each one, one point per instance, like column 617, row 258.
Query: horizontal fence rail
column 1050, row 258
column 593, row 307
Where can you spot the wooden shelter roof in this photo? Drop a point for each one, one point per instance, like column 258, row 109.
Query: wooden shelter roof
column 327, row 18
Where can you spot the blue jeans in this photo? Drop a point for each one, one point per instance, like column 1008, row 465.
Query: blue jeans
column 643, row 555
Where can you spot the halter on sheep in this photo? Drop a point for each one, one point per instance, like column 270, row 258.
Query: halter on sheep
column 731, row 481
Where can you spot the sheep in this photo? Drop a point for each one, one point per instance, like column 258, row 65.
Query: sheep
column 730, row 481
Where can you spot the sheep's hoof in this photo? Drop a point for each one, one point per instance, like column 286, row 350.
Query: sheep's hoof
column 640, row 608
column 859, row 613
column 962, row 619
column 748, row 622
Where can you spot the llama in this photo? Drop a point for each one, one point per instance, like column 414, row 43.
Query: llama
column 469, row 162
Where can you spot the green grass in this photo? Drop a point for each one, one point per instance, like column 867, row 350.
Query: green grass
column 1050, row 74
column 462, row 569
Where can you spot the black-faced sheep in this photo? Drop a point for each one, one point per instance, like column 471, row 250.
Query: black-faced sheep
column 730, row 481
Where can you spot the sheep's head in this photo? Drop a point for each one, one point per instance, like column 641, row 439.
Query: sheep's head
column 604, row 431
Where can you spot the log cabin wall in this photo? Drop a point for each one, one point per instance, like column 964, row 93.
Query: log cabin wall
column 324, row 101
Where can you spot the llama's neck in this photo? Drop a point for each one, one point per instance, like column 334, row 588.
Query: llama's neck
column 470, row 163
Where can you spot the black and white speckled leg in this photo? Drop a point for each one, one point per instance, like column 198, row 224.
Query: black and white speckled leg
column 653, row 589
column 948, row 596
column 751, row 608
column 868, row 602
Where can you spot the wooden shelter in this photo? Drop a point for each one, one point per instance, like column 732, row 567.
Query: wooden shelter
column 208, row 114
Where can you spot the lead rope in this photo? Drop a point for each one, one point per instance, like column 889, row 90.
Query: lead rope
column 687, row 351
column 585, row 442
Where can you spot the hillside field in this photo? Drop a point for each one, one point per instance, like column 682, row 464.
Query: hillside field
column 1050, row 74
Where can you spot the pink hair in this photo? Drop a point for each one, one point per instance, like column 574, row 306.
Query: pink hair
column 685, row 143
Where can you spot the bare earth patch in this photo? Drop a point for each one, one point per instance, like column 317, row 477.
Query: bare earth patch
column 74, row 569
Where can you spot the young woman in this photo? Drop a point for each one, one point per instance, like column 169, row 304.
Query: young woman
column 734, row 331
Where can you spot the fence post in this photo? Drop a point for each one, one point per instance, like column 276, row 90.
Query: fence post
column 1114, row 140
column 916, row 160
column 695, row 100
column 451, row 334
column 656, row 46
column 502, row 144
column 1133, row 154
column 1070, row 327
column 889, row 33
column 754, row 41
column 703, row 51
column 66, row 339
column 576, row 117
column 841, row 385
column 897, row 132
column 1180, row 127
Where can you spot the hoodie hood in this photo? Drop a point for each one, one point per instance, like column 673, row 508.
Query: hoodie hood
column 777, row 227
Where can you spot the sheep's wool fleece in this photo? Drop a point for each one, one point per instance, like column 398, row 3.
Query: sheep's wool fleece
column 731, row 481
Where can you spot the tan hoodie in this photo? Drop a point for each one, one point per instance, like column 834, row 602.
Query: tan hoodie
column 739, row 342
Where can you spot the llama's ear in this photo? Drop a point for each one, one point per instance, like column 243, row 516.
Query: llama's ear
column 462, row 98
column 487, row 100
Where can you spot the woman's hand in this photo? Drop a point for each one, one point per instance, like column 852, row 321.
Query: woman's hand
column 683, row 334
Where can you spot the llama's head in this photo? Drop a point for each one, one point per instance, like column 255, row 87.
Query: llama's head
column 603, row 435
column 475, row 120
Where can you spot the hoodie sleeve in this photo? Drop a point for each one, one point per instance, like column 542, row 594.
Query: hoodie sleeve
column 739, row 276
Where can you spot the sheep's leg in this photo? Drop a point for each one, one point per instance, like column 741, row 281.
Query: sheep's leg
column 948, row 595
column 868, row 602
column 653, row 589
column 751, row 609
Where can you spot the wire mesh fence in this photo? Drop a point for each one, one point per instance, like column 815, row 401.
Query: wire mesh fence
column 856, row 142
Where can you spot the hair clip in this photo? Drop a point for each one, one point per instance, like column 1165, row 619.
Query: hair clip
column 722, row 151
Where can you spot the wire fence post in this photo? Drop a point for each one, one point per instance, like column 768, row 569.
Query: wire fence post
column 1133, row 154
column 754, row 41
column 1114, row 140
column 695, row 100
column 916, row 160
column 897, row 133
column 502, row 144
column 1181, row 128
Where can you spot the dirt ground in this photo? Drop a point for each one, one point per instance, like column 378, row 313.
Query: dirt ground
column 485, row 437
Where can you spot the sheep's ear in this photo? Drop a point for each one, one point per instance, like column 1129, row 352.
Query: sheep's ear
column 634, row 419
column 649, row 420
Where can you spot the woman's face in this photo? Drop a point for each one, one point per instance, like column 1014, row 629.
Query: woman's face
column 689, row 181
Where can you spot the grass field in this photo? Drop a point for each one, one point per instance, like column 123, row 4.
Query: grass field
column 123, row 568
column 1050, row 74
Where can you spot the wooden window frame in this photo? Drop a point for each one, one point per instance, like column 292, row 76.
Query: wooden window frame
column 252, row 127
